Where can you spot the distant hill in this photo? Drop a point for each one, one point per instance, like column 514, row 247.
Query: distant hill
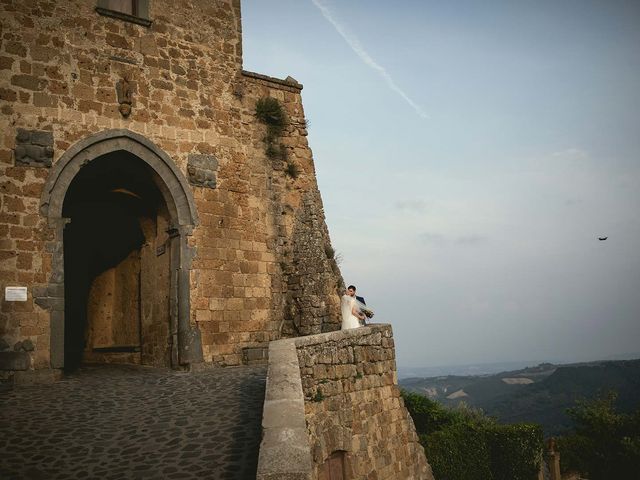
column 466, row 370
column 538, row 394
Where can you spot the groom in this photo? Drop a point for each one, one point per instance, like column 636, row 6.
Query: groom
column 351, row 291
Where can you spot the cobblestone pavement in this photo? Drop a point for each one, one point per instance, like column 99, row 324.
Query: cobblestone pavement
column 127, row 422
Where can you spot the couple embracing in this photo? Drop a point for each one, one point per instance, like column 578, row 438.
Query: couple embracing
column 354, row 310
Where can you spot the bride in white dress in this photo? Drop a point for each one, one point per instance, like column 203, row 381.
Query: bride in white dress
column 350, row 311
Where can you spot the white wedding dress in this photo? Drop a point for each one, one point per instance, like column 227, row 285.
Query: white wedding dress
column 349, row 320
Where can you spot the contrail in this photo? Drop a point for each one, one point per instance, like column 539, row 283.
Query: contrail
column 355, row 45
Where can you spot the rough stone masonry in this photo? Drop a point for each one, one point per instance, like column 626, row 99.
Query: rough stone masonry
column 149, row 217
column 130, row 144
column 333, row 410
column 353, row 406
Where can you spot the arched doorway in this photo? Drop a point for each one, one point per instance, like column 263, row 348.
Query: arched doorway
column 121, row 212
column 117, row 267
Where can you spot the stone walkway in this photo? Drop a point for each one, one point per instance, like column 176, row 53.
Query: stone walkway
column 131, row 422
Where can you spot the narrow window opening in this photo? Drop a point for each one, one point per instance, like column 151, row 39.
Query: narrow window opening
column 129, row 7
column 135, row 11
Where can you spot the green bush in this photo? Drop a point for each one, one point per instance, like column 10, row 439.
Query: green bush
column 464, row 443
column 605, row 444
column 458, row 452
column 272, row 151
column 270, row 112
column 428, row 416
column 515, row 451
column 292, row 170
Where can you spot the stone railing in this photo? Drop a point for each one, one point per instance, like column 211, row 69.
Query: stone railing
column 332, row 402
column 284, row 452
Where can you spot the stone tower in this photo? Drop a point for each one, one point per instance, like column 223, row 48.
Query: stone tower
column 148, row 214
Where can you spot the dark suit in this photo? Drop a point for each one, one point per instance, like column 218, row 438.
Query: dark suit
column 361, row 300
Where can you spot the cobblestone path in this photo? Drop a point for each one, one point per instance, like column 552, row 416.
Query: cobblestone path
column 127, row 422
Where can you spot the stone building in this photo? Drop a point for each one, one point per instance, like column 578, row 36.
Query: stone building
column 148, row 214
column 159, row 206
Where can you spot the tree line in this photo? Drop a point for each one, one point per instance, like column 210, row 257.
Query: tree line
column 463, row 443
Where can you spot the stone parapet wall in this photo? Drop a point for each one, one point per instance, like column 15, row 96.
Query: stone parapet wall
column 355, row 417
column 285, row 452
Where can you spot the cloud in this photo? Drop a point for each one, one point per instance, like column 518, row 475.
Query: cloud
column 571, row 154
column 359, row 50
column 413, row 205
column 470, row 240
column 572, row 202
column 439, row 239
column 432, row 238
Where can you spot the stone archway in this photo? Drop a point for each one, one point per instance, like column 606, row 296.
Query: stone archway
column 186, row 345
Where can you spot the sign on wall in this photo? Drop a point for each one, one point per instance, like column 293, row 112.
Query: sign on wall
column 15, row 294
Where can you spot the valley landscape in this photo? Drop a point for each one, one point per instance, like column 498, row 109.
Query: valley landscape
column 539, row 394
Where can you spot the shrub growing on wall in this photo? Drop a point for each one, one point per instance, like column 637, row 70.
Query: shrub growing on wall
column 270, row 112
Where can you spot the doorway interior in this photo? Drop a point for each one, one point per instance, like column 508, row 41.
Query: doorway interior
column 117, row 265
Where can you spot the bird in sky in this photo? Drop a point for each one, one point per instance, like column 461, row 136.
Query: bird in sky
column 602, row 238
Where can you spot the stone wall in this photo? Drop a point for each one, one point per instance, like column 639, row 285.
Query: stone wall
column 355, row 417
column 261, row 267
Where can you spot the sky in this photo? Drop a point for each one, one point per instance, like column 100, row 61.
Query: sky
column 469, row 155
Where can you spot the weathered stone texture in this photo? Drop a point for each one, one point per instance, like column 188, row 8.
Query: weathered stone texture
column 353, row 405
column 34, row 148
column 202, row 170
column 311, row 273
column 261, row 270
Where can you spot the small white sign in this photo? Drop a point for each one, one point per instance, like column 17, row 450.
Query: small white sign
column 15, row 294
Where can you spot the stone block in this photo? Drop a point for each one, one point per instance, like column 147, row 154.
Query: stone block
column 39, row 291
column 28, row 82
column 278, row 414
column 284, row 455
column 8, row 95
column 14, row 361
column 57, row 339
column 202, row 170
column 34, row 148
column 50, row 303
column 253, row 355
